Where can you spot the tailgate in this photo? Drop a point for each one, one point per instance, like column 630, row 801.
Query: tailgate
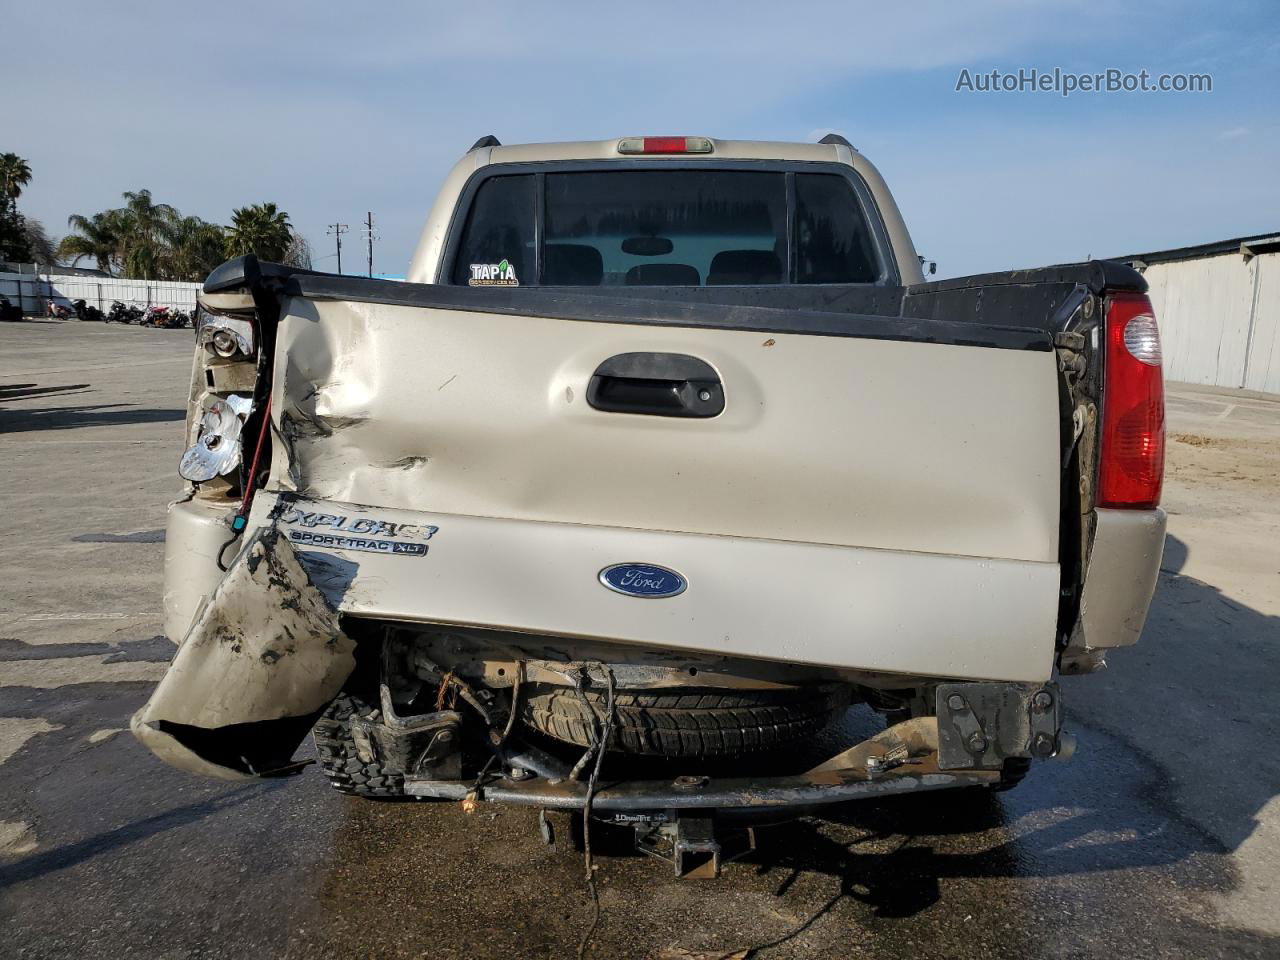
column 849, row 438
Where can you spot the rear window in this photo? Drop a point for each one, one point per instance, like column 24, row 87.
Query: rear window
column 673, row 227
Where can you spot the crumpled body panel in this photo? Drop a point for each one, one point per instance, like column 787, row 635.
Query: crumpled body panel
column 908, row 446
column 263, row 657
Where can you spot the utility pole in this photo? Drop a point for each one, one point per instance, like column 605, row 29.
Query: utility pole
column 369, row 234
column 336, row 230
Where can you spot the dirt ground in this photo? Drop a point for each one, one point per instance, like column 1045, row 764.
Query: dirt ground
column 1161, row 838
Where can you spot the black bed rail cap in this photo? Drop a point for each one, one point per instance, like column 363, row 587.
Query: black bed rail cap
column 248, row 272
column 236, row 273
column 1097, row 275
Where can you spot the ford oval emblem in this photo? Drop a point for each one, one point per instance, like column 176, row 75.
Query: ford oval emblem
column 643, row 580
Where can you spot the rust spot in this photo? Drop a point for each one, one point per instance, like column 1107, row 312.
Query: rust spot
column 769, row 343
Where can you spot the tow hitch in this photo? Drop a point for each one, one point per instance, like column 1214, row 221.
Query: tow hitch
column 695, row 845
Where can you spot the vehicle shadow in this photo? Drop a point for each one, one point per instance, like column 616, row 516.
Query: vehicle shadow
column 24, row 391
column 71, row 854
column 69, row 418
column 1195, row 698
column 1136, row 796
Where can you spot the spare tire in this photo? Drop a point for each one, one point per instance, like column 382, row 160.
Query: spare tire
column 687, row 722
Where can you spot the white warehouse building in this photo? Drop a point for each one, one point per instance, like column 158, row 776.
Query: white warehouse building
column 1218, row 306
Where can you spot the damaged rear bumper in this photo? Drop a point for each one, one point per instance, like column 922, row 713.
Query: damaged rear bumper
column 263, row 657
column 901, row 759
column 759, row 794
column 266, row 654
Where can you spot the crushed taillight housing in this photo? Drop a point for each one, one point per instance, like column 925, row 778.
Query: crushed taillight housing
column 664, row 145
column 1131, row 461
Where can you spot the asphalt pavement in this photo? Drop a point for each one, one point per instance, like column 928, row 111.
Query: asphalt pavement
column 1160, row 838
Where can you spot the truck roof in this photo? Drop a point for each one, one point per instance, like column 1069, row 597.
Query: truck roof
column 721, row 150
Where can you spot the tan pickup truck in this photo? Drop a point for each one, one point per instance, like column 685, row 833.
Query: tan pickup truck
column 665, row 455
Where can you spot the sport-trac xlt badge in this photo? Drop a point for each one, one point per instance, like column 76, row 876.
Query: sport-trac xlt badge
column 353, row 533
column 643, row 580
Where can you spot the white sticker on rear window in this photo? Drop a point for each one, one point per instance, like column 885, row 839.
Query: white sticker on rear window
column 493, row 275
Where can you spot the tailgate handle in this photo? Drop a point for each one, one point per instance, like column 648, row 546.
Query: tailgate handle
column 657, row 385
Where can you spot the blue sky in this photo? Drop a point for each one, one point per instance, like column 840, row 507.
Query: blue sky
column 331, row 110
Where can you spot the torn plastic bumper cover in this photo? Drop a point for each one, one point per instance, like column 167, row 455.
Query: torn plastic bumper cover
column 263, row 657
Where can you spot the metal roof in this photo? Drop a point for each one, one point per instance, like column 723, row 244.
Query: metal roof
column 1248, row 247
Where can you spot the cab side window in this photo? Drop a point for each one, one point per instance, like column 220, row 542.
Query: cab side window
column 499, row 230
column 833, row 242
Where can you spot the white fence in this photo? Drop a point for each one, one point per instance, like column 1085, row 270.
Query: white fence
column 1219, row 319
column 35, row 292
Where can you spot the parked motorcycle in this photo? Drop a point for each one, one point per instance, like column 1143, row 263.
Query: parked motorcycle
column 123, row 313
column 169, row 318
column 86, row 312
column 155, row 316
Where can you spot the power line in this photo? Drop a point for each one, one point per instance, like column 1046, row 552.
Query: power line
column 336, row 230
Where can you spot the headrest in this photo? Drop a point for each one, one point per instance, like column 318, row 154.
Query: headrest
column 572, row 264
column 663, row 275
column 745, row 266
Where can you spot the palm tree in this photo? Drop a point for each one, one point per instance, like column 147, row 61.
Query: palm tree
column 153, row 241
column 100, row 237
column 147, row 218
column 145, row 225
column 194, row 248
column 15, row 174
column 260, row 229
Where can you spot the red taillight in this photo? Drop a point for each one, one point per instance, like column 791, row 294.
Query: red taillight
column 664, row 145
column 1131, row 463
